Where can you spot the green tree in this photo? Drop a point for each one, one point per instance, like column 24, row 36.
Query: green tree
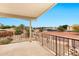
column 13, row 26
column 62, row 28
column 21, row 27
column 65, row 26
column 18, row 31
column 5, row 26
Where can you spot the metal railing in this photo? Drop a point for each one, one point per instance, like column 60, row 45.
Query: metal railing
column 60, row 46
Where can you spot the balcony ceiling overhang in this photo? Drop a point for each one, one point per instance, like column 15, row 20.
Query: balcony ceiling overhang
column 24, row 10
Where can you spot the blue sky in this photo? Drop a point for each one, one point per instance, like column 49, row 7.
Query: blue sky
column 61, row 14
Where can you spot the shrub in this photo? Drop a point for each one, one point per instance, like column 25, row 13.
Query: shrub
column 18, row 31
column 6, row 41
column 27, row 32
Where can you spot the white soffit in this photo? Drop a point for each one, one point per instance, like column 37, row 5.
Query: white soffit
column 24, row 10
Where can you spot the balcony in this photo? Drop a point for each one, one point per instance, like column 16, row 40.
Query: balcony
column 43, row 44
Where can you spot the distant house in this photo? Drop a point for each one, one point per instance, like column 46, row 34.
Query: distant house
column 69, row 28
column 50, row 28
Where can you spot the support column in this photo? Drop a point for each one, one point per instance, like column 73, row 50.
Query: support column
column 30, row 31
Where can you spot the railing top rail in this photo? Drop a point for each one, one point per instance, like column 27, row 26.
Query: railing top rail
column 62, row 36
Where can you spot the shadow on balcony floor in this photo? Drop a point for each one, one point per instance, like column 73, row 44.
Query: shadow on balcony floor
column 24, row 49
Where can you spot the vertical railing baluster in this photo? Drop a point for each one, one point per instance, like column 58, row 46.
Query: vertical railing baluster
column 42, row 39
column 68, row 47
column 59, row 46
column 56, row 44
column 63, row 46
column 74, row 46
column 47, row 41
column 51, row 42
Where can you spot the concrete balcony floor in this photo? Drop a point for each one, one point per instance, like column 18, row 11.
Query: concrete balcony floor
column 24, row 49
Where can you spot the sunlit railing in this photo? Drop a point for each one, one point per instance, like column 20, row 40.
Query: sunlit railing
column 59, row 45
